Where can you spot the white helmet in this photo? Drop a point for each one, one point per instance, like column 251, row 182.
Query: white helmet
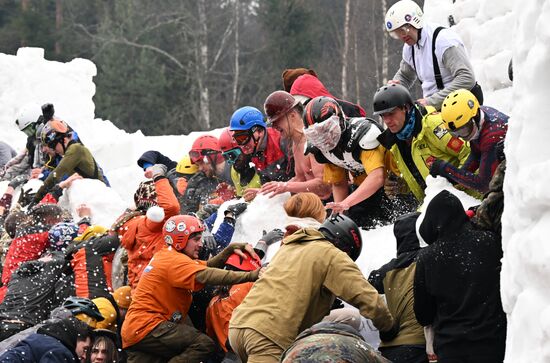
column 404, row 12
column 28, row 115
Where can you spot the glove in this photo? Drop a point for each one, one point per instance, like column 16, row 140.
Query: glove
column 47, row 111
column 158, row 170
column 499, row 151
column 206, row 211
column 209, row 242
column 273, row 236
column 18, row 181
column 26, row 198
column 225, row 191
column 437, row 168
column 236, row 209
column 395, row 185
column 386, row 336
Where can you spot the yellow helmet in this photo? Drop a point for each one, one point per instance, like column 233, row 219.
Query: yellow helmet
column 458, row 108
column 186, row 167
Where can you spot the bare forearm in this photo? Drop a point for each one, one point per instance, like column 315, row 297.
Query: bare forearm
column 373, row 182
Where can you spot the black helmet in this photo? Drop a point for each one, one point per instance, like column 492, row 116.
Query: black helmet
column 321, row 108
column 82, row 305
column 344, row 234
column 389, row 97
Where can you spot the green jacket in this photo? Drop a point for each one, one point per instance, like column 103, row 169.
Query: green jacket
column 299, row 286
column 239, row 188
column 77, row 159
column 432, row 141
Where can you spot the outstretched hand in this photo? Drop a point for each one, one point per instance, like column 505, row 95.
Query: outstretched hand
column 274, row 188
column 337, row 208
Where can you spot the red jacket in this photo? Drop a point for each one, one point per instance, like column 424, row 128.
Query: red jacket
column 273, row 160
column 310, row 86
column 143, row 237
column 27, row 246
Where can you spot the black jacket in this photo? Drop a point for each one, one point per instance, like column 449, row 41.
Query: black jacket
column 31, row 291
column 457, row 283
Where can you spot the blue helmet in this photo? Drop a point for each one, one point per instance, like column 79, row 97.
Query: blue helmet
column 62, row 234
column 245, row 118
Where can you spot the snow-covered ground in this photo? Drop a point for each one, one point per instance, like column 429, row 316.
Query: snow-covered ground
column 493, row 31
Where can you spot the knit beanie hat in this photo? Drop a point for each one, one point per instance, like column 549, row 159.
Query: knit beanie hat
column 290, row 75
column 108, row 312
column 61, row 234
column 145, row 195
column 91, row 232
column 123, row 297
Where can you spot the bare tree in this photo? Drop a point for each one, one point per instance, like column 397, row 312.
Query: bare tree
column 58, row 24
column 385, row 58
column 345, row 50
column 236, row 67
column 202, row 66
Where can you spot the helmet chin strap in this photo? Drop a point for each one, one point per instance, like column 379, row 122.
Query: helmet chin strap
column 256, row 141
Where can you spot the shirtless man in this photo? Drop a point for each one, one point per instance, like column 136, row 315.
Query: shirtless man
column 284, row 113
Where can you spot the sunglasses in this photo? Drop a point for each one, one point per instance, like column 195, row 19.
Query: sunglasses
column 198, row 155
column 242, row 137
column 232, row 155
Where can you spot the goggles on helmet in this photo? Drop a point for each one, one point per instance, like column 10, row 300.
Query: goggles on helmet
column 465, row 130
column 198, row 155
column 242, row 137
column 400, row 32
column 232, row 155
column 326, row 134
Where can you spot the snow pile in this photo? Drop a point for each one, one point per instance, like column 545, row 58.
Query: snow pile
column 486, row 28
column 526, row 219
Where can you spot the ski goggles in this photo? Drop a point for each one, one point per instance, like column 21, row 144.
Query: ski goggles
column 232, row 155
column 465, row 130
column 326, row 134
column 198, row 155
column 242, row 137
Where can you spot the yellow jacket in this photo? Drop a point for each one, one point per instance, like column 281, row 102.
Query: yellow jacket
column 432, row 142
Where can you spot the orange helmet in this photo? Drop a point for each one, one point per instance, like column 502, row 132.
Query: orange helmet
column 177, row 229
column 226, row 141
column 206, row 146
column 242, row 264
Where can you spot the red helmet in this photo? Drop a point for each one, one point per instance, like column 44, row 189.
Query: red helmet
column 278, row 104
column 244, row 264
column 206, row 145
column 206, row 142
column 226, row 141
column 177, row 229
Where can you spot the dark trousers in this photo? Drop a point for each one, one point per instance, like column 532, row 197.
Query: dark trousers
column 405, row 353
column 172, row 343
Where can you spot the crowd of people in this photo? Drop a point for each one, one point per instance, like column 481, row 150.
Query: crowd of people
column 162, row 284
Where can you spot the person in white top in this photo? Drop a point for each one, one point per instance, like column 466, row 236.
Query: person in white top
column 441, row 66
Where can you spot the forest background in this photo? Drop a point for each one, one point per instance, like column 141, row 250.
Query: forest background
column 176, row 66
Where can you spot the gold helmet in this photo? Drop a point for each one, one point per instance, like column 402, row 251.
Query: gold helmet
column 458, row 108
column 185, row 166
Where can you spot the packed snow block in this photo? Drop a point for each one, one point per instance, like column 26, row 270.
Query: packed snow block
column 105, row 203
column 29, row 78
column 263, row 214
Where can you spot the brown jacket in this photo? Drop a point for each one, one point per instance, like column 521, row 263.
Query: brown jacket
column 299, row 287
